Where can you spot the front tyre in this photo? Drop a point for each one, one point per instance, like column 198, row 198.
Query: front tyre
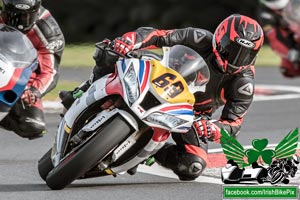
column 45, row 165
column 77, row 163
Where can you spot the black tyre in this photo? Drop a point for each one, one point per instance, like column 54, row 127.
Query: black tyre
column 45, row 165
column 262, row 176
column 277, row 177
column 77, row 163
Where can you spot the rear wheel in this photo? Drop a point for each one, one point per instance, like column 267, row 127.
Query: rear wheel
column 45, row 165
column 76, row 163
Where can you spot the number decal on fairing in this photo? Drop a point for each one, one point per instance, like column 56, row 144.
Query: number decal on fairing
column 166, row 81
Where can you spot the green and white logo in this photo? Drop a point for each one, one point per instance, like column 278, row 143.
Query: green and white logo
column 268, row 165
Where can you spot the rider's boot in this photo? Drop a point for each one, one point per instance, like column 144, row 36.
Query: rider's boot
column 68, row 97
column 185, row 165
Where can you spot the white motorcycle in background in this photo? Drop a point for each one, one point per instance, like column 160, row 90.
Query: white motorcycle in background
column 125, row 117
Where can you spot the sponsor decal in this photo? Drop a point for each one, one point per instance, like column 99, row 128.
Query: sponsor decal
column 2, row 71
column 246, row 43
column 22, row 6
column 34, row 121
column 258, row 164
column 131, row 38
column 97, row 122
column 246, row 89
column 198, row 35
column 55, row 45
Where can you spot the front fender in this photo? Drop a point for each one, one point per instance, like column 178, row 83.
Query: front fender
column 95, row 92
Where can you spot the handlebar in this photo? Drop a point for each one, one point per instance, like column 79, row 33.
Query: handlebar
column 106, row 45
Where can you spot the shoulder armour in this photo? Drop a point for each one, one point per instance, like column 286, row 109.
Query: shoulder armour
column 50, row 30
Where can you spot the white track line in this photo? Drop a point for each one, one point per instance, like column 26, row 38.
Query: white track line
column 286, row 88
column 157, row 170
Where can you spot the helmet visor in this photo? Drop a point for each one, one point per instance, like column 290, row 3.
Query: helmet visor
column 20, row 20
column 237, row 54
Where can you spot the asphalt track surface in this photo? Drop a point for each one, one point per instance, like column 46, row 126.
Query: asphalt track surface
column 271, row 119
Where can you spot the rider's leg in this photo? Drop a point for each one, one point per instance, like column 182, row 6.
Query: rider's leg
column 187, row 159
column 26, row 121
column 105, row 64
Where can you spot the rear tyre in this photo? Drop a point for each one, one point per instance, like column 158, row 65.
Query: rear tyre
column 45, row 165
column 77, row 163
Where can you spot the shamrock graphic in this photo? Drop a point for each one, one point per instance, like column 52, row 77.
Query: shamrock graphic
column 233, row 150
column 259, row 150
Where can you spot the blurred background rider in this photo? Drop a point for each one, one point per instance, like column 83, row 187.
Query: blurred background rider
column 28, row 16
column 280, row 20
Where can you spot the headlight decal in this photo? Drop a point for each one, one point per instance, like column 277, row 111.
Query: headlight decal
column 131, row 85
column 164, row 119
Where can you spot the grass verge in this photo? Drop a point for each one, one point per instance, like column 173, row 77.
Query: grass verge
column 78, row 56
column 82, row 56
column 267, row 58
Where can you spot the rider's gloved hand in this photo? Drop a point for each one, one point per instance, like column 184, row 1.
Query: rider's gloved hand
column 125, row 44
column 30, row 96
column 207, row 130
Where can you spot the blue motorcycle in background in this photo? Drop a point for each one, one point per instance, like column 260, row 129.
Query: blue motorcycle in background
column 18, row 59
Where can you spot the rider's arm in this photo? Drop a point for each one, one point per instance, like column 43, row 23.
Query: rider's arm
column 198, row 39
column 238, row 97
column 49, row 42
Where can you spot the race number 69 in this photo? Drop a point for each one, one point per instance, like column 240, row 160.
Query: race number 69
column 168, row 84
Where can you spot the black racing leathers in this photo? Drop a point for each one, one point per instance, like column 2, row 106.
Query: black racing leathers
column 233, row 91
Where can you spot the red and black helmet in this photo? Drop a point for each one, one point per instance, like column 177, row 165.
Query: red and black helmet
column 236, row 43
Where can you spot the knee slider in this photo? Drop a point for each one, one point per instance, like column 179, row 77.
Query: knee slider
column 189, row 167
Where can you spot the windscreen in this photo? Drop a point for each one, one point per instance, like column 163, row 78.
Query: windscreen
column 15, row 48
column 189, row 64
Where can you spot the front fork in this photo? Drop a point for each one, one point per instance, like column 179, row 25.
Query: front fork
column 63, row 134
column 157, row 141
column 60, row 142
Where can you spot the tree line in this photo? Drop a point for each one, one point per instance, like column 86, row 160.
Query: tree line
column 93, row 20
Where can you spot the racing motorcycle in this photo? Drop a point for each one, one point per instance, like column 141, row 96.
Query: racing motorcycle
column 18, row 59
column 125, row 117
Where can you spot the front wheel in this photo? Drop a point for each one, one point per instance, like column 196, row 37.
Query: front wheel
column 45, row 165
column 277, row 177
column 76, row 163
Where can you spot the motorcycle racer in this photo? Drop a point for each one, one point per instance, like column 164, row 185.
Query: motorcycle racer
column 280, row 21
column 26, row 117
column 230, row 54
